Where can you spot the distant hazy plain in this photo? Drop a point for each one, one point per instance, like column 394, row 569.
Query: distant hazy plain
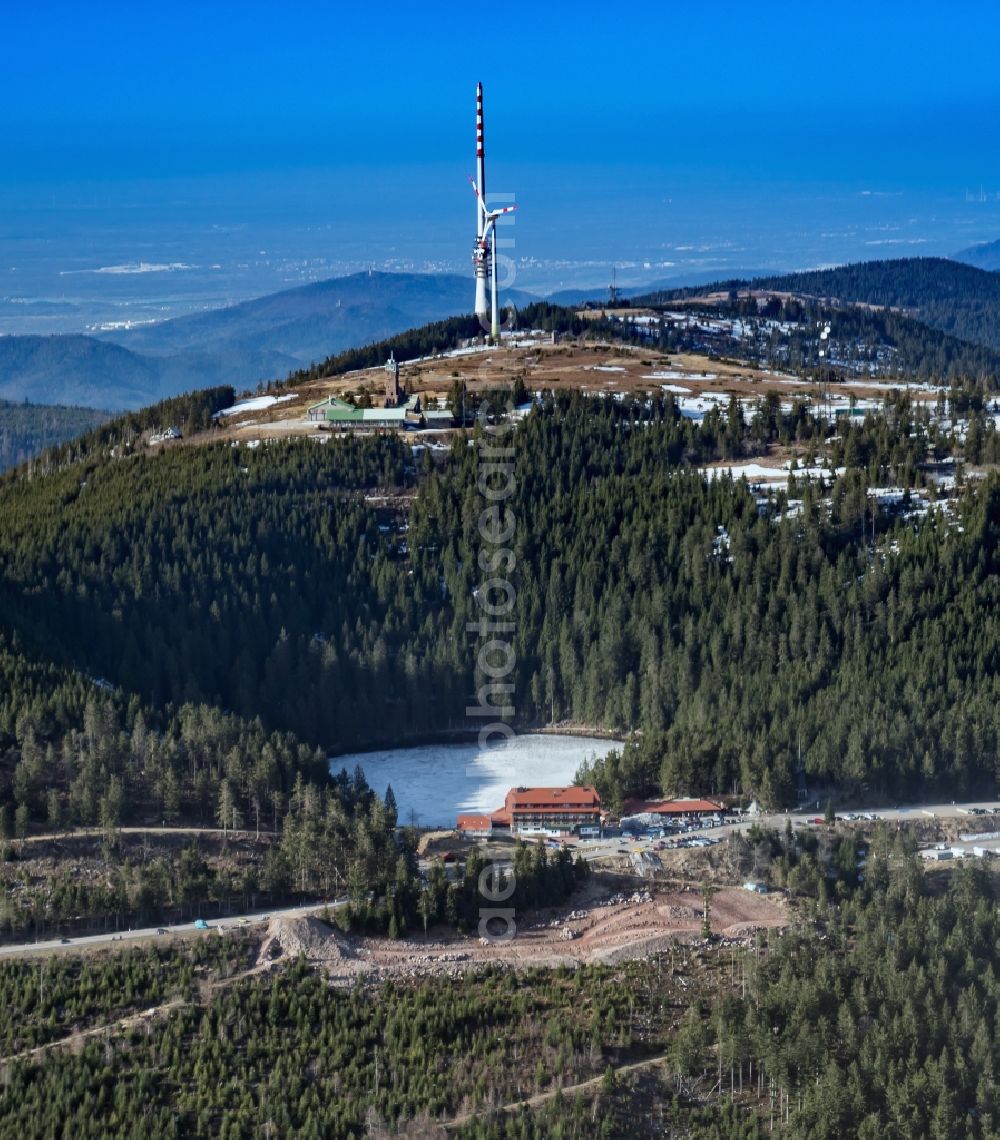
column 93, row 258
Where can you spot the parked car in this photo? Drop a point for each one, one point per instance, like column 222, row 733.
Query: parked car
column 200, row 924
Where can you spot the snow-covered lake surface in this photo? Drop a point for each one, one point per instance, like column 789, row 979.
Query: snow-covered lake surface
column 435, row 782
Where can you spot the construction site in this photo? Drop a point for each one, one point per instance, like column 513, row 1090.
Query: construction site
column 610, row 921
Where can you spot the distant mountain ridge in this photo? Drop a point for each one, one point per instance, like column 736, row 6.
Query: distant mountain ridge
column 310, row 322
column 86, row 372
column 678, row 281
column 239, row 345
column 272, row 336
column 74, row 370
column 984, row 255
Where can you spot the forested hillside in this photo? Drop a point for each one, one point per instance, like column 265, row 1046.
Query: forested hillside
column 186, row 636
column 27, row 429
column 872, row 1018
column 782, row 333
column 957, row 299
column 263, row 582
column 733, row 654
column 960, row 300
column 949, row 297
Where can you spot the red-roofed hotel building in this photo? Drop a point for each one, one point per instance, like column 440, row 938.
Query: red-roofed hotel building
column 552, row 809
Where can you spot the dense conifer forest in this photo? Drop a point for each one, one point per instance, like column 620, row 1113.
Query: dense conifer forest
column 269, row 583
column 186, row 637
column 876, row 1018
column 28, row 429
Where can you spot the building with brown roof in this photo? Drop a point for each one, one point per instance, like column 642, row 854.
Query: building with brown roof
column 475, row 826
column 537, row 809
column 692, row 808
column 552, row 809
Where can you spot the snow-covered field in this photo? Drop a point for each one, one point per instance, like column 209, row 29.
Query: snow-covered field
column 695, row 407
column 757, row 472
column 818, row 472
column 256, row 404
column 890, row 385
column 751, row 471
column 672, row 374
column 438, row 781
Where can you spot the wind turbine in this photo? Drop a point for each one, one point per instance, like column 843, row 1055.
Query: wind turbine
column 487, row 254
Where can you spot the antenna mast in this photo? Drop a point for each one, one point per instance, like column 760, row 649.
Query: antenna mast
column 481, row 252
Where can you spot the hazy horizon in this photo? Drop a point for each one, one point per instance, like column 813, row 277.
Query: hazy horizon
column 237, row 151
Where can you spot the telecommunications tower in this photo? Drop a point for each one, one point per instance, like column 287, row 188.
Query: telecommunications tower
column 484, row 253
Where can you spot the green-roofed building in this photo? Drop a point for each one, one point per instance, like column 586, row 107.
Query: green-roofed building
column 340, row 413
column 438, row 418
column 399, row 410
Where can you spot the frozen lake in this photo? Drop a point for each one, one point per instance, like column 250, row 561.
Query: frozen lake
column 434, row 782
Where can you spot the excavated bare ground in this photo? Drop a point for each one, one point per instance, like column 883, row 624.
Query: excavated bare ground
column 602, row 927
column 311, row 937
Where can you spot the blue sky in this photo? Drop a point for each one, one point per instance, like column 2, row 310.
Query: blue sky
column 757, row 134
column 116, row 90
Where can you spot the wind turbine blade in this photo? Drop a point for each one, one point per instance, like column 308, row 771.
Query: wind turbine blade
column 479, row 199
column 492, row 215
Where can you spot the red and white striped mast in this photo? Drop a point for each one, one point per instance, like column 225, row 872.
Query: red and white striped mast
column 484, row 257
column 481, row 252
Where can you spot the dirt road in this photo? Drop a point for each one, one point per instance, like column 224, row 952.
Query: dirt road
column 566, row 1090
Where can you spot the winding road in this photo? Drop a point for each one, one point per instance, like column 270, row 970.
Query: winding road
column 125, row 938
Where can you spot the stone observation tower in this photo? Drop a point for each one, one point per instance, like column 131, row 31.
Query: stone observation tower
column 393, row 392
